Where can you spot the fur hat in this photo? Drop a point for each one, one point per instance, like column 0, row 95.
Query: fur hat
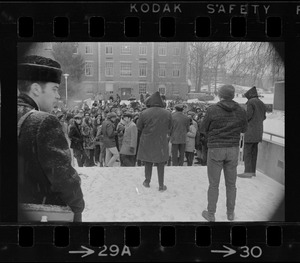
column 37, row 68
column 226, row 92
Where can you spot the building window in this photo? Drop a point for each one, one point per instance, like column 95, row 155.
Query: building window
column 162, row 90
column 143, row 69
column 161, row 69
column 177, row 51
column 176, row 90
column 89, row 70
column 125, row 49
column 109, row 87
column 109, row 50
column 142, row 88
column 143, row 50
column 176, row 70
column 109, row 68
column 125, row 69
column 88, row 49
column 162, row 50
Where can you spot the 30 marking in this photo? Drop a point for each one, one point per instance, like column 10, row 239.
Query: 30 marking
column 255, row 252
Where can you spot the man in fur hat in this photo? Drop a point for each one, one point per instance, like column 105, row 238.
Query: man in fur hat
column 223, row 124
column 46, row 175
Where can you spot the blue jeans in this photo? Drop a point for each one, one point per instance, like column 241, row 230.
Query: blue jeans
column 218, row 159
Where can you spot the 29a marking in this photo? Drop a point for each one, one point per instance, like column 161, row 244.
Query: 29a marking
column 253, row 252
column 113, row 251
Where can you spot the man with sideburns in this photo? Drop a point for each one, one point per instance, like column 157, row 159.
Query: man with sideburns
column 45, row 173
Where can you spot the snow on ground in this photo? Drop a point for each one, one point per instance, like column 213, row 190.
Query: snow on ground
column 116, row 194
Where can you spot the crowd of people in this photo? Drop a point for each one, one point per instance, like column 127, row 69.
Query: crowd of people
column 96, row 133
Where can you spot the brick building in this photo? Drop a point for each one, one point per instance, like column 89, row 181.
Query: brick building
column 129, row 69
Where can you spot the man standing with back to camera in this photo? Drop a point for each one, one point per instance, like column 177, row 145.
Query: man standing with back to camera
column 256, row 114
column 45, row 173
column 155, row 124
column 223, row 124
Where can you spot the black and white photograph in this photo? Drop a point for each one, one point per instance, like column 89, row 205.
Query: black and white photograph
column 151, row 132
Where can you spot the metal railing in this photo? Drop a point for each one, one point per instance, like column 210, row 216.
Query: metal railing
column 241, row 144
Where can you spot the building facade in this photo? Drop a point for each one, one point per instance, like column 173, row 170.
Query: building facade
column 129, row 69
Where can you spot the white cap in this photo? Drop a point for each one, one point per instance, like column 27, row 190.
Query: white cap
column 44, row 219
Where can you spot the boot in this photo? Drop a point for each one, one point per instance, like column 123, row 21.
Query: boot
column 162, row 189
column 245, row 175
column 210, row 217
column 230, row 216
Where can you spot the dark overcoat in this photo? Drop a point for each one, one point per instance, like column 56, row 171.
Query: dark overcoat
column 76, row 137
column 45, row 173
column 109, row 134
column 256, row 114
column 155, row 125
column 180, row 127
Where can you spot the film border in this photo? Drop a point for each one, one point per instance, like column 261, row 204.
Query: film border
column 114, row 28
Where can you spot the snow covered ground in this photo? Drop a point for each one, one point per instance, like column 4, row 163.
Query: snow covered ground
column 116, row 194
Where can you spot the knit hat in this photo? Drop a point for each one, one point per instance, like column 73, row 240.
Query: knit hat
column 37, row 68
column 226, row 92
column 111, row 115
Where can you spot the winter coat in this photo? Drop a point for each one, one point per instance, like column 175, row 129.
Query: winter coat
column 223, row 123
column 180, row 126
column 190, row 139
column 129, row 139
column 76, row 137
column 121, row 130
column 99, row 135
column 256, row 114
column 88, row 136
column 109, row 134
column 44, row 161
column 155, row 124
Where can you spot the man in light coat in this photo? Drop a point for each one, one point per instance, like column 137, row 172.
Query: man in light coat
column 155, row 124
column 129, row 143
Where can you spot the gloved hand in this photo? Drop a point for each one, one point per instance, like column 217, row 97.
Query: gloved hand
column 131, row 149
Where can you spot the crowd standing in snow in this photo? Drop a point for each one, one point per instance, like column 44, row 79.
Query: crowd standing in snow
column 146, row 132
column 101, row 129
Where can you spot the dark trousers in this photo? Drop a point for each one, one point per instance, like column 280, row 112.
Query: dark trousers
column 80, row 156
column 178, row 160
column 160, row 172
column 97, row 152
column 190, row 158
column 89, row 161
column 250, row 157
column 218, row 159
column 127, row 160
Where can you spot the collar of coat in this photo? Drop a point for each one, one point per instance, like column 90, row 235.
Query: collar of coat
column 25, row 100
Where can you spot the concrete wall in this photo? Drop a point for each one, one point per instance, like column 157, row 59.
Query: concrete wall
column 270, row 160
